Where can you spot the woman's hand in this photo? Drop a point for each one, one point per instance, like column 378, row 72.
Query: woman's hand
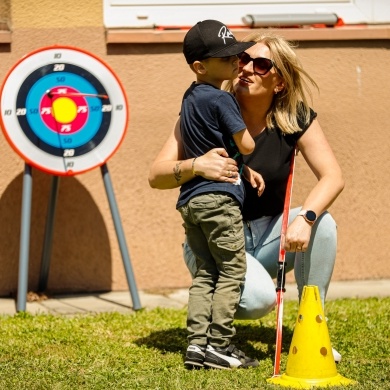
column 216, row 165
column 297, row 235
column 255, row 179
column 169, row 169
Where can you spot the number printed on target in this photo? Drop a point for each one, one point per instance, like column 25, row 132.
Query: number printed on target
column 63, row 110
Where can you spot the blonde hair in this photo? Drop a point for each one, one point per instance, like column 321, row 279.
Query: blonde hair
column 291, row 104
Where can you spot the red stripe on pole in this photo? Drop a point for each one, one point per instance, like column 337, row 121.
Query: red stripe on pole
column 281, row 272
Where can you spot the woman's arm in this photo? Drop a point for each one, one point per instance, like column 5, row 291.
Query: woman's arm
column 169, row 170
column 321, row 160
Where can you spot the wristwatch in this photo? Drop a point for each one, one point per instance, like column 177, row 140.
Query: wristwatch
column 309, row 215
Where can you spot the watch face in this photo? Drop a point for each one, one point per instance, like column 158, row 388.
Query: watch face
column 311, row 216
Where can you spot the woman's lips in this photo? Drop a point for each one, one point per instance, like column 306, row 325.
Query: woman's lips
column 244, row 80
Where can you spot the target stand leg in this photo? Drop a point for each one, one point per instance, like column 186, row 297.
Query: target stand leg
column 24, row 240
column 48, row 239
column 121, row 238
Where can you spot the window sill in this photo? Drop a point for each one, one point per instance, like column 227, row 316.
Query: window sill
column 5, row 37
column 5, row 33
column 115, row 36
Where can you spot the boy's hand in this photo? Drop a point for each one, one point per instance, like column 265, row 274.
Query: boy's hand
column 255, row 179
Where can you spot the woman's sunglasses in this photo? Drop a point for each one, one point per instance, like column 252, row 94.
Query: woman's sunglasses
column 261, row 65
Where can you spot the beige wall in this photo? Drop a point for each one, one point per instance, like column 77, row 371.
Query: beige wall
column 352, row 107
column 4, row 10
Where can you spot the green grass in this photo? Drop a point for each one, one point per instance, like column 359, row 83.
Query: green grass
column 145, row 350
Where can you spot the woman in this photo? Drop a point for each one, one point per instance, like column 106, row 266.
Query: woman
column 270, row 90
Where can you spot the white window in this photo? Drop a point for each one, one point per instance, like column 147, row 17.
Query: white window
column 185, row 13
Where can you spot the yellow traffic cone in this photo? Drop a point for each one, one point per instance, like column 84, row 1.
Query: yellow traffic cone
column 310, row 362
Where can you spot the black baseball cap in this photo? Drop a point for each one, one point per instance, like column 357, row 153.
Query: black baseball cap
column 211, row 38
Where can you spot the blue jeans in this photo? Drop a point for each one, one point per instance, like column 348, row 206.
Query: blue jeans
column 214, row 230
column 313, row 267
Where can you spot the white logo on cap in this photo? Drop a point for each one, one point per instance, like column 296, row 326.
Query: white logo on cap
column 225, row 33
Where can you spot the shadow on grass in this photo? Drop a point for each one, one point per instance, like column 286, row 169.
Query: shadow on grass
column 257, row 341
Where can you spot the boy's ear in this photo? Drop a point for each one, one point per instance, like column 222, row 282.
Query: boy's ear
column 199, row 67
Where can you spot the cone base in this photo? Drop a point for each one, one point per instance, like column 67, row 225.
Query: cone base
column 301, row 383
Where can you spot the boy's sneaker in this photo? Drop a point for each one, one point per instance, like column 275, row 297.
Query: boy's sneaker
column 194, row 356
column 336, row 356
column 227, row 358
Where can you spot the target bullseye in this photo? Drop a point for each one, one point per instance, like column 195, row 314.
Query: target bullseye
column 64, row 106
column 63, row 110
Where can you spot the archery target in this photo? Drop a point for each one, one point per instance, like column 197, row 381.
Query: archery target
column 63, row 110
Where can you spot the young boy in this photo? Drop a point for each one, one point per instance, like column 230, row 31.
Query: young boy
column 210, row 118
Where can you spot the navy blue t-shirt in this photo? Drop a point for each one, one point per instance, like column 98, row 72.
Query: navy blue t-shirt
column 208, row 119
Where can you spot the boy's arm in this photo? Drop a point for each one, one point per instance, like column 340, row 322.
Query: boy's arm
column 255, row 179
column 244, row 142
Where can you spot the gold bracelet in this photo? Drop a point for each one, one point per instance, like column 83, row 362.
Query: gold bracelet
column 193, row 166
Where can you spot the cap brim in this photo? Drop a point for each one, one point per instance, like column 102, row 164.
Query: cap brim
column 232, row 50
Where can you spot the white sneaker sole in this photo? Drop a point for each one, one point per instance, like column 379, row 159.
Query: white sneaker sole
column 336, row 356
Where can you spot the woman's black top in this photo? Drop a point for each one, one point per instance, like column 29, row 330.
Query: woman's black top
column 271, row 158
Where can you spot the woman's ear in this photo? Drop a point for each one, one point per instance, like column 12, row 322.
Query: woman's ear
column 279, row 87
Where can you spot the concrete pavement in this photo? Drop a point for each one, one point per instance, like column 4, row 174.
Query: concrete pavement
column 121, row 301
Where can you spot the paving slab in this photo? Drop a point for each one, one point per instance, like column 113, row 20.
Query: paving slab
column 359, row 289
column 120, row 301
column 7, row 306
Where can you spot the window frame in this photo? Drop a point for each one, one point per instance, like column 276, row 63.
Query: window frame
column 173, row 14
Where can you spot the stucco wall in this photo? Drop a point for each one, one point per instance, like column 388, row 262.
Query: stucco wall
column 352, row 106
column 4, row 9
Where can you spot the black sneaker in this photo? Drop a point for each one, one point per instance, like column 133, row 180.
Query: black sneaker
column 194, row 356
column 227, row 358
